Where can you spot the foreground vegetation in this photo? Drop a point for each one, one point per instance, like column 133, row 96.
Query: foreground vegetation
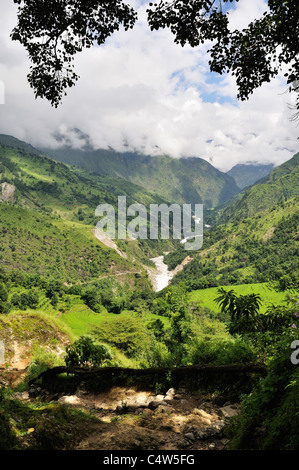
column 65, row 298
column 169, row 331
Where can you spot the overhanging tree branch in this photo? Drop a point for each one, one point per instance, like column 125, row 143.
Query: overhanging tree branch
column 255, row 54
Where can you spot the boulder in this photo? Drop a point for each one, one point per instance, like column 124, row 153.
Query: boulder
column 69, row 400
column 230, row 410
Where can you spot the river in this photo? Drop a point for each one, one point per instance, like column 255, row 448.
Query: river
column 163, row 276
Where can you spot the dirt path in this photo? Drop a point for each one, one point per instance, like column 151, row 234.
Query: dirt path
column 130, row 419
column 133, row 420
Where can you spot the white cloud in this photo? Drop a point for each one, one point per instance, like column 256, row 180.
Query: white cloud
column 245, row 12
column 142, row 90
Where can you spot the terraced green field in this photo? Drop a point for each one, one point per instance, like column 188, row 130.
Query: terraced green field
column 268, row 295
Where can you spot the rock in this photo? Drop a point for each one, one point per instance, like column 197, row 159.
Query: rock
column 137, row 444
column 164, row 403
column 170, row 395
column 157, row 403
column 69, row 400
column 152, row 405
column 159, row 397
column 190, row 436
column 163, row 408
column 209, row 433
column 205, row 418
column 147, row 412
column 184, row 401
column 202, row 413
column 7, row 192
column 141, row 402
column 230, row 410
column 22, row 395
column 206, row 406
column 219, row 425
column 34, row 391
column 183, row 444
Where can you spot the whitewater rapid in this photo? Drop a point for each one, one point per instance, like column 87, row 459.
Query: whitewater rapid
column 163, row 276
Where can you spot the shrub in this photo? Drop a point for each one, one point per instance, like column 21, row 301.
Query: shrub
column 220, row 352
column 84, row 352
column 270, row 415
column 127, row 334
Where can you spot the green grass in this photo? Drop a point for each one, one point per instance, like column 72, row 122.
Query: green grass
column 268, row 295
column 82, row 320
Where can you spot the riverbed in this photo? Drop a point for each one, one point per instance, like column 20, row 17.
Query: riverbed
column 163, row 276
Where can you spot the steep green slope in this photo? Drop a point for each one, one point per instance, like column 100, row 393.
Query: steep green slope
column 255, row 238
column 10, row 141
column 280, row 185
column 64, row 200
column 260, row 249
column 185, row 180
column 43, row 183
column 42, row 244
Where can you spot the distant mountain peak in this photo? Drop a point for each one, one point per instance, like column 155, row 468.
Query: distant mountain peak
column 246, row 174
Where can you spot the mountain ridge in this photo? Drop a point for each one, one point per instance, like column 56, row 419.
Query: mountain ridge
column 281, row 184
column 190, row 180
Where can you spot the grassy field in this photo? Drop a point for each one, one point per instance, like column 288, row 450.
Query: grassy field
column 81, row 320
column 268, row 295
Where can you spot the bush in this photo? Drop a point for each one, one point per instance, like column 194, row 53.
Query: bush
column 25, row 300
column 8, row 440
column 270, row 415
column 4, row 307
column 84, row 352
column 126, row 333
column 221, row 352
column 157, row 356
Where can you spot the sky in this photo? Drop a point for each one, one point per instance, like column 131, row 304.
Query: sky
column 140, row 91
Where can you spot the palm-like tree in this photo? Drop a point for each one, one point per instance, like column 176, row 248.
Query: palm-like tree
column 244, row 307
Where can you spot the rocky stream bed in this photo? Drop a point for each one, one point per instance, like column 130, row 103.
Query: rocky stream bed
column 128, row 419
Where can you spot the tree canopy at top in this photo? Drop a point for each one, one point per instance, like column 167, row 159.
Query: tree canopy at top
column 54, row 31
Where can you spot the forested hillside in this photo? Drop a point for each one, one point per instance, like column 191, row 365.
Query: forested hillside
column 260, row 248
column 279, row 186
column 51, row 209
column 185, row 180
